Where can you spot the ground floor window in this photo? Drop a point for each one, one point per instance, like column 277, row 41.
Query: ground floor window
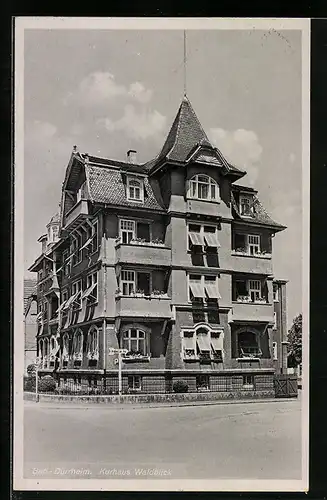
column 203, row 383
column 248, row 381
column 134, row 382
column 248, row 345
column 134, row 341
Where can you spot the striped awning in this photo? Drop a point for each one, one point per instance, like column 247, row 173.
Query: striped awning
column 212, row 290
column 196, row 238
column 197, row 290
column 203, row 342
column 211, row 239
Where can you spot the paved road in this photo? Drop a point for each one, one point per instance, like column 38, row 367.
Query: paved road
column 252, row 440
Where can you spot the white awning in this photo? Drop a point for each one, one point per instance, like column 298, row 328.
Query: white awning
column 188, row 343
column 70, row 300
column 61, row 306
column 89, row 291
column 197, row 290
column 212, row 290
column 86, row 243
column 203, row 342
column 212, row 239
column 217, row 343
column 196, row 238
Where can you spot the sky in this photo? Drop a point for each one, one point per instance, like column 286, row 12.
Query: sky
column 108, row 91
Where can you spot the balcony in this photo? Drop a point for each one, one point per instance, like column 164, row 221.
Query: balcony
column 143, row 307
column 76, row 215
column 243, row 262
column 253, row 311
column 143, row 253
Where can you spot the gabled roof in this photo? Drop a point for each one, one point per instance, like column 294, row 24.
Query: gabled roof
column 187, row 138
column 108, row 186
column 259, row 216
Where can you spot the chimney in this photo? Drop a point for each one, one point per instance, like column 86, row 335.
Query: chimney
column 131, row 156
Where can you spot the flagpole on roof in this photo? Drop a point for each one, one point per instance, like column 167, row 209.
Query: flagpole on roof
column 184, row 62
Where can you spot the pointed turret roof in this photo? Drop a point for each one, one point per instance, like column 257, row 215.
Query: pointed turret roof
column 185, row 136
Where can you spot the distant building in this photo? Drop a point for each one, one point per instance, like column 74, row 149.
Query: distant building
column 170, row 260
column 30, row 322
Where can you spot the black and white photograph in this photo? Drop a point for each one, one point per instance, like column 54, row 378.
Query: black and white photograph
column 161, row 254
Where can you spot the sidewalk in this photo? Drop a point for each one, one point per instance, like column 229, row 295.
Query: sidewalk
column 118, row 406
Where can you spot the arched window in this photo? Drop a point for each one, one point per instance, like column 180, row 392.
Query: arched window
column 78, row 342
column 52, row 344
column 41, row 349
column 248, row 345
column 65, row 344
column 46, row 347
column 92, row 342
column 203, row 187
column 134, row 341
column 135, row 189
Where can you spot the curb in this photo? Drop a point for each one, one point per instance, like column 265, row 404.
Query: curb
column 72, row 405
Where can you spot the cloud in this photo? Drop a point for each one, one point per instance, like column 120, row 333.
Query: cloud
column 138, row 125
column 139, row 92
column 241, row 147
column 100, row 87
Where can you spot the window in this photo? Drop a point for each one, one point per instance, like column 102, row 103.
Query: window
column 275, row 321
column 65, row 346
column 91, row 292
column 203, row 287
column 248, row 346
column 92, row 343
column 41, row 349
column 203, row 344
column 77, row 293
column 127, row 282
column 134, row 382
column 94, row 236
column 188, row 345
column 134, row 341
column 203, row 187
column 246, row 205
column 78, row 344
column 127, row 230
column 76, row 248
column 135, row 189
column 64, row 296
column 40, row 275
column 275, row 292
column 255, row 290
column 130, row 230
column 66, row 260
column 274, row 351
column 135, row 281
column 202, row 383
column 203, row 236
column 248, row 381
column 82, row 192
column 253, row 244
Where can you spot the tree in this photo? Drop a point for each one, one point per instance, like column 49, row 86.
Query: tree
column 295, row 342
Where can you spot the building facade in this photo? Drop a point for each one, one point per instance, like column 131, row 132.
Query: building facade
column 30, row 322
column 170, row 260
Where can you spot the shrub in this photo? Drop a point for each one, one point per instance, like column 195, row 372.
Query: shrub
column 31, row 370
column 47, row 384
column 29, row 384
column 180, row 386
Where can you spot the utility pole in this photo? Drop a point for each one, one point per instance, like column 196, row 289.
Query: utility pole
column 37, row 380
column 119, row 352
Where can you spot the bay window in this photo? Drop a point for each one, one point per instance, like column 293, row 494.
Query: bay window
column 135, row 282
column 245, row 290
column 132, row 230
column 248, row 345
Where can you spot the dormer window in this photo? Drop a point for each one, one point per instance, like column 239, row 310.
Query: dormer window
column 246, row 205
column 203, row 187
column 135, row 189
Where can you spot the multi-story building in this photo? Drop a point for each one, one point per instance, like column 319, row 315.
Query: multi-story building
column 30, row 323
column 170, row 260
